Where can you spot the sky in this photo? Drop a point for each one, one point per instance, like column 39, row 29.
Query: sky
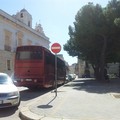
column 55, row 16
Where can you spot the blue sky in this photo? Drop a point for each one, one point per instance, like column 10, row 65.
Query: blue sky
column 54, row 15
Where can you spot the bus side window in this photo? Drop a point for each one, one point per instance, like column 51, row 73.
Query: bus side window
column 18, row 56
column 39, row 55
column 47, row 59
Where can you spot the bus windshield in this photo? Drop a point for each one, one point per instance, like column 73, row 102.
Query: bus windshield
column 29, row 55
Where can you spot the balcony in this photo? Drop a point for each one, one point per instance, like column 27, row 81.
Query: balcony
column 7, row 48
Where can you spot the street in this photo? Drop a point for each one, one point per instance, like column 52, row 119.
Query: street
column 26, row 97
column 80, row 99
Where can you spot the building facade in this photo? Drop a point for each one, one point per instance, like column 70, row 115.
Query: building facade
column 16, row 30
column 113, row 69
column 82, row 69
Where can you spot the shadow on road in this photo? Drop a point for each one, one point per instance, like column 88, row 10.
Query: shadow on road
column 46, row 106
column 93, row 86
column 28, row 94
column 4, row 112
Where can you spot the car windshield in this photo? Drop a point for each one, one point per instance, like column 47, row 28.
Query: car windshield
column 4, row 79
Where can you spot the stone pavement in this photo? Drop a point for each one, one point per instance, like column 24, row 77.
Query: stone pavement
column 81, row 99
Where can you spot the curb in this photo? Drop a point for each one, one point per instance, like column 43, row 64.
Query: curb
column 26, row 114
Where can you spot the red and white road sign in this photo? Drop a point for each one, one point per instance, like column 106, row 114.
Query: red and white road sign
column 56, row 48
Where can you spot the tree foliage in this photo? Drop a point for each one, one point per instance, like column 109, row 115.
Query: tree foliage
column 112, row 14
column 95, row 36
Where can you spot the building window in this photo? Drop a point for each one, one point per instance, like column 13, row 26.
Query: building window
column 8, row 65
column 29, row 23
column 8, row 37
column 29, row 42
column 19, row 37
column 19, row 41
column 21, row 15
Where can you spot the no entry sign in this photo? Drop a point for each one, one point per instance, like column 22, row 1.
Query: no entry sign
column 56, row 48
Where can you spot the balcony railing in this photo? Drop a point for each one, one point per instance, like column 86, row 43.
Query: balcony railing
column 7, row 48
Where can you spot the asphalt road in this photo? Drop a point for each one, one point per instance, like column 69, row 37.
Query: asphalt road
column 26, row 97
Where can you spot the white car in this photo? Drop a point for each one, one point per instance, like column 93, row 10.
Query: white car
column 9, row 94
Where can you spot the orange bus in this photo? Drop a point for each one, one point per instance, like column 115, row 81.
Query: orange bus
column 35, row 67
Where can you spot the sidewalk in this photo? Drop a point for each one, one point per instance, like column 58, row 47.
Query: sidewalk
column 81, row 99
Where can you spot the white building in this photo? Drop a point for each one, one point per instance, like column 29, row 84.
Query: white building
column 81, row 69
column 16, row 30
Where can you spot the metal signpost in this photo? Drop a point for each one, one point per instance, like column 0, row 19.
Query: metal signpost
column 56, row 48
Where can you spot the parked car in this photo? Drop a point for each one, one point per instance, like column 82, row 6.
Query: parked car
column 9, row 94
column 68, row 77
column 73, row 76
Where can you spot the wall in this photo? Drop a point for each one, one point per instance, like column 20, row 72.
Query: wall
column 14, row 33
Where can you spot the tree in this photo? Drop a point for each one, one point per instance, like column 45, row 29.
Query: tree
column 112, row 14
column 93, row 37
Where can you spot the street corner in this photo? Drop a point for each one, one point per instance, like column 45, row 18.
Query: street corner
column 26, row 114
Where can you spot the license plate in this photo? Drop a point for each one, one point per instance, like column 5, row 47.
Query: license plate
column 28, row 79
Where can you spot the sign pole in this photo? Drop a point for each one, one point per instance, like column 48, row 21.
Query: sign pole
column 56, row 48
column 55, row 74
